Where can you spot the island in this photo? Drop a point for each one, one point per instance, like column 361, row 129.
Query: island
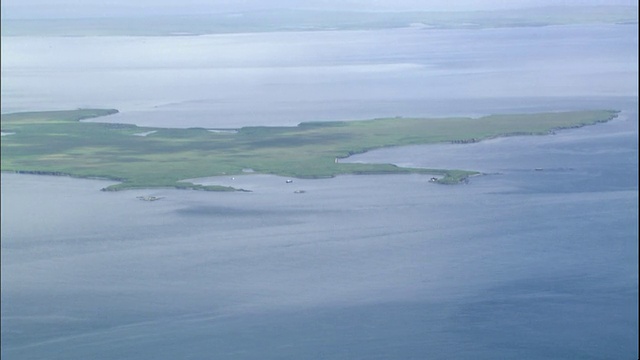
column 60, row 143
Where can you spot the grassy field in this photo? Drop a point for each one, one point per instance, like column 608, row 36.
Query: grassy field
column 58, row 143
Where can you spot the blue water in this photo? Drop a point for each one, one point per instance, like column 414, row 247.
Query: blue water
column 518, row 263
column 521, row 264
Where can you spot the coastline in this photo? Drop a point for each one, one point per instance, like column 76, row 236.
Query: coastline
column 271, row 150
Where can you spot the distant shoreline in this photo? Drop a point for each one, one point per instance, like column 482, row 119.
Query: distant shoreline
column 300, row 20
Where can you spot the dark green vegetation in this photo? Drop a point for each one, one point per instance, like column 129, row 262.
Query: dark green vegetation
column 58, row 143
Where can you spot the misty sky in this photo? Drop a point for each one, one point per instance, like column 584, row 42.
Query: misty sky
column 99, row 8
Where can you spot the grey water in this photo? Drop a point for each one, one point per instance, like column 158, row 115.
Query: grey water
column 284, row 78
column 535, row 259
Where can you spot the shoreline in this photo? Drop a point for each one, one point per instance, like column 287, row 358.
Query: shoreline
column 295, row 152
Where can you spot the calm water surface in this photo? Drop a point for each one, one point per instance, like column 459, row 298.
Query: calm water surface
column 232, row 80
column 517, row 263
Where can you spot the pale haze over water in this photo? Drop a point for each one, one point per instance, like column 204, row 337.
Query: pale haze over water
column 288, row 77
column 517, row 263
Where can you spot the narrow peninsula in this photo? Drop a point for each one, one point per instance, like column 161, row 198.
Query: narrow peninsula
column 59, row 143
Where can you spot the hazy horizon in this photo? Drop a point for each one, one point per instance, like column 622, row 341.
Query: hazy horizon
column 44, row 9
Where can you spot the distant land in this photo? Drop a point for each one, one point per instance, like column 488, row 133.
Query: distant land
column 316, row 20
column 59, row 143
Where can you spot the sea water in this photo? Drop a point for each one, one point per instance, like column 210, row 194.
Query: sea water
column 283, row 78
column 535, row 259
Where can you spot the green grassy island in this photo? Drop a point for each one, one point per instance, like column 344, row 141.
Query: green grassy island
column 58, row 143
